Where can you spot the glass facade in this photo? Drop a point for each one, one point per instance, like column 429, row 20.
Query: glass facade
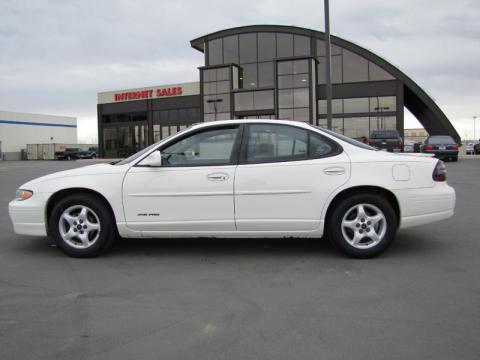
column 348, row 67
column 358, row 117
column 124, row 140
column 294, row 90
column 216, row 93
column 269, row 74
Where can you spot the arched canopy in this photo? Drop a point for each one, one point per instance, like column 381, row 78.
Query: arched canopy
column 420, row 104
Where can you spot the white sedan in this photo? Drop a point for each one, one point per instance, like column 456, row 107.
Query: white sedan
column 239, row 178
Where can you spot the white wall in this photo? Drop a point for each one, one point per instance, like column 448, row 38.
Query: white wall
column 16, row 136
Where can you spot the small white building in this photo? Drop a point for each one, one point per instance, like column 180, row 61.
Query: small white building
column 19, row 129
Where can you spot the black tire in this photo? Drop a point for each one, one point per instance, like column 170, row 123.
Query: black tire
column 106, row 235
column 455, row 158
column 367, row 248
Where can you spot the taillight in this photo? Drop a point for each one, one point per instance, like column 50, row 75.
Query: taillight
column 428, row 147
column 454, row 147
column 440, row 172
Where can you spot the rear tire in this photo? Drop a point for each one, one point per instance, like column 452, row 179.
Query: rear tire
column 362, row 225
column 82, row 226
column 455, row 158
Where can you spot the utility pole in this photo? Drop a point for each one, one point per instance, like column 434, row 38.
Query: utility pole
column 474, row 128
column 328, row 67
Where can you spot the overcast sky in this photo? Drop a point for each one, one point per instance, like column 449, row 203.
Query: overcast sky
column 56, row 55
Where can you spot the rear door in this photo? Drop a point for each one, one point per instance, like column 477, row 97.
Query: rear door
column 285, row 175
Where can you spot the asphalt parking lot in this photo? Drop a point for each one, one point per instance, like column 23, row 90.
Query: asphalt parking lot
column 244, row 299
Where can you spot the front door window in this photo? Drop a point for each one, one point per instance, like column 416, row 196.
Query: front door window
column 211, row 147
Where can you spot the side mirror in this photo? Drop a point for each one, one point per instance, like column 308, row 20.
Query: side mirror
column 153, row 160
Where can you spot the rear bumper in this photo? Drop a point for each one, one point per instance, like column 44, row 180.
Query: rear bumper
column 426, row 205
column 28, row 217
column 442, row 153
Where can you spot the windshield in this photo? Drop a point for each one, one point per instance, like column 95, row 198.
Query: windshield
column 136, row 155
column 147, row 149
column 346, row 138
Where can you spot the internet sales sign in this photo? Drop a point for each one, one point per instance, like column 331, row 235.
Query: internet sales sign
column 148, row 93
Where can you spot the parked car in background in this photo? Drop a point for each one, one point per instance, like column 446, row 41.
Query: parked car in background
column 409, row 146
column 239, row 178
column 469, row 148
column 389, row 140
column 69, row 154
column 442, row 146
column 91, row 153
column 476, row 148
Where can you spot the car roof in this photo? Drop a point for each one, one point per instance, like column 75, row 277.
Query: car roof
column 252, row 121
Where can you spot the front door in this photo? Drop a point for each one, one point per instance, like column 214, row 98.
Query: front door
column 192, row 191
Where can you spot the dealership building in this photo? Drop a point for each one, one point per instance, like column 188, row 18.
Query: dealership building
column 269, row 72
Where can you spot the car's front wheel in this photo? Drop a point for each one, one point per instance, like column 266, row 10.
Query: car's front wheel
column 362, row 225
column 82, row 226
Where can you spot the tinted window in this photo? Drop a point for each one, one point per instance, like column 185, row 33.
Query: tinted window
column 248, row 48
column 384, row 134
column 376, row 73
column 440, row 140
column 284, row 45
column 211, row 147
column 319, row 146
column 230, row 49
column 355, row 67
column 215, row 52
column 270, row 143
column 265, row 74
column 249, row 76
column 266, row 47
column 273, row 143
column 346, row 138
column 301, row 45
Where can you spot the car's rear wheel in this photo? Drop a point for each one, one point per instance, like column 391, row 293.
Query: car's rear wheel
column 82, row 226
column 362, row 225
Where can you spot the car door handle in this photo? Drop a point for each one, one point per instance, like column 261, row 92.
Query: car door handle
column 217, row 177
column 334, row 171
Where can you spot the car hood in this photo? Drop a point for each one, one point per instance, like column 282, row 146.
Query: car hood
column 90, row 170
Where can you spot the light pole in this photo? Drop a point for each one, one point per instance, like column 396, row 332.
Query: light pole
column 328, row 67
column 474, row 128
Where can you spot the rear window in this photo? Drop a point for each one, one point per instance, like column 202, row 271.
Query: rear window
column 441, row 140
column 385, row 134
column 345, row 138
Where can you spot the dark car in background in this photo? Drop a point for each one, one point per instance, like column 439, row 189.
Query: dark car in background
column 443, row 146
column 389, row 140
column 476, row 148
column 91, row 153
column 69, row 154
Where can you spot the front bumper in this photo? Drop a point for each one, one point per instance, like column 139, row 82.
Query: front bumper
column 426, row 205
column 28, row 216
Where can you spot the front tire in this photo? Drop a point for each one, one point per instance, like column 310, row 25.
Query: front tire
column 362, row 225
column 82, row 226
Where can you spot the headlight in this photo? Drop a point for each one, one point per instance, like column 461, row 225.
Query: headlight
column 21, row 195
